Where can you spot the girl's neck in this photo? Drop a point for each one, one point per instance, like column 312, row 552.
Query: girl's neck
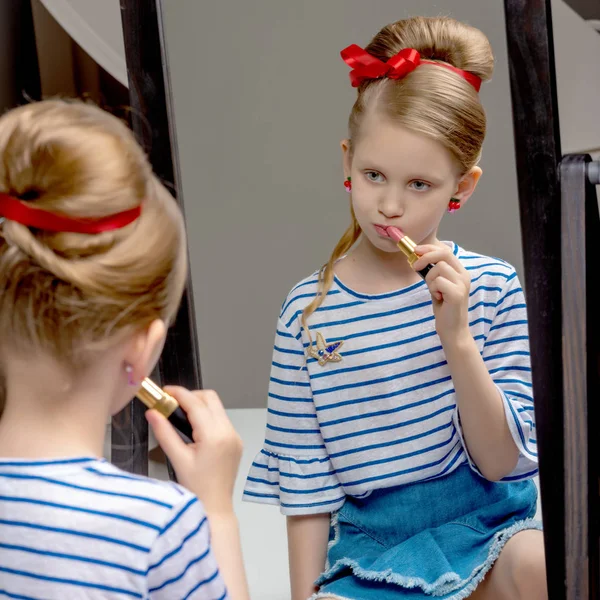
column 46, row 415
column 368, row 270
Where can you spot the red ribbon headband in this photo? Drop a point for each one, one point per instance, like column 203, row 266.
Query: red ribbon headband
column 365, row 66
column 16, row 210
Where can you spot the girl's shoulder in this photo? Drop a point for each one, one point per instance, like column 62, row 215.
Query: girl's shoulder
column 471, row 257
column 488, row 268
column 161, row 493
column 89, row 483
column 301, row 294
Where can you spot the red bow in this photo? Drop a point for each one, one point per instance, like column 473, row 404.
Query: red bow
column 365, row 66
column 16, row 210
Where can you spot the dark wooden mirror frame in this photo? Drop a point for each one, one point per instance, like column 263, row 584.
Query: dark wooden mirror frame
column 152, row 121
column 559, row 220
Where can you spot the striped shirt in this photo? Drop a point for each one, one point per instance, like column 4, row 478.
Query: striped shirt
column 386, row 414
column 81, row 528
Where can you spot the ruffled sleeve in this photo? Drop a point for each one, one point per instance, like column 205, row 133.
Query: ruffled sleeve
column 299, row 486
column 506, row 354
column 293, row 469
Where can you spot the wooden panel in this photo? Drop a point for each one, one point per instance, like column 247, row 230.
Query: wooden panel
column 586, row 9
column 573, row 185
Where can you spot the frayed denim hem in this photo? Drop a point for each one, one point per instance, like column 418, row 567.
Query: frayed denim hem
column 335, row 518
column 446, row 584
column 327, row 595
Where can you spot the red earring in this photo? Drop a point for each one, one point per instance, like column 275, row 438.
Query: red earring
column 454, row 205
column 348, row 184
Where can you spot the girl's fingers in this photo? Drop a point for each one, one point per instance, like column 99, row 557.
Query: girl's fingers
column 196, row 409
column 430, row 254
column 443, row 269
column 444, row 289
column 169, row 440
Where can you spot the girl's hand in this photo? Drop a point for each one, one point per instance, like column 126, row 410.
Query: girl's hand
column 209, row 466
column 449, row 284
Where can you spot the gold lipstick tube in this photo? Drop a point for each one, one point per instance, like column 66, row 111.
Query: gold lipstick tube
column 408, row 248
column 156, row 398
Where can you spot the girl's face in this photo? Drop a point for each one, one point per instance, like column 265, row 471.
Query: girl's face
column 403, row 179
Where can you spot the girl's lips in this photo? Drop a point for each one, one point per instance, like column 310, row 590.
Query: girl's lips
column 381, row 231
column 389, row 232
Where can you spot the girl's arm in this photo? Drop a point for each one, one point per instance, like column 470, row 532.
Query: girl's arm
column 227, row 549
column 307, row 549
column 302, row 477
column 483, row 421
column 481, row 409
column 208, row 468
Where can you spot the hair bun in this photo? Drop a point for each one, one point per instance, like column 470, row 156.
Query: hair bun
column 70, row 293
column 437, row 38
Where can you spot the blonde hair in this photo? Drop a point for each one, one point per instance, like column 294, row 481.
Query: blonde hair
column 431, row 101
column 68, row 294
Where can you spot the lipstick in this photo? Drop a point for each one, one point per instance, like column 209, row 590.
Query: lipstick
column 408, row 248
column 155, row 397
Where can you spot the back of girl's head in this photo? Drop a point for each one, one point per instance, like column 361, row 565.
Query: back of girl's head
column 71, row 295
column 430, row 100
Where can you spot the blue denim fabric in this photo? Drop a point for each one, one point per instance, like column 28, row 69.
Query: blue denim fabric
column 436, row 538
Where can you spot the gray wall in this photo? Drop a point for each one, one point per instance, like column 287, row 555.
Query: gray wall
column 261, row 99
column 576, row 48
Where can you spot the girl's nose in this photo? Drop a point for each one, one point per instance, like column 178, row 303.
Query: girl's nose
column 391, row 205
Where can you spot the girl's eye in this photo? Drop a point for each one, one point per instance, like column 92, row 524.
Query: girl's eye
column 374, row 176
column 420, row 186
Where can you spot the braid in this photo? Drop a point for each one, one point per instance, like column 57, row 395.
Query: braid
column 326, row 272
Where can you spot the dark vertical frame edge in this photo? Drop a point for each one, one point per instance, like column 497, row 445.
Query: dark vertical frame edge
column 580, row 376
column 573, row 242
column 186, row 371
column 153, row 123
column 538, row 153
column 28, row 82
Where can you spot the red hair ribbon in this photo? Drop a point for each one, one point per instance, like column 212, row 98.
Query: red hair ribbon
column 365, row 66
column 16, row 210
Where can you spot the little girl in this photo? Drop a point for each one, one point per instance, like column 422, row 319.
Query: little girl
column 92, row 269
column 400, row 421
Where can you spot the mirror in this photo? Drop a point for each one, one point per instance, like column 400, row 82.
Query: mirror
column 261, row 102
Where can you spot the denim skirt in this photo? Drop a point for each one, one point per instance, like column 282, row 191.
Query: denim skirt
column 431, row 539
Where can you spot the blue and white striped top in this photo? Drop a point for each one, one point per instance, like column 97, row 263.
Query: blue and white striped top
column 386, row 414
column 81, row 528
